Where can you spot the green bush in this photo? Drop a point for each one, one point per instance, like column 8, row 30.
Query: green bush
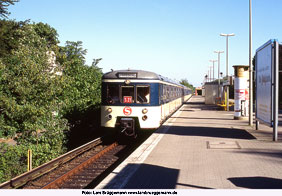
column 13, row 160
column 38, row 107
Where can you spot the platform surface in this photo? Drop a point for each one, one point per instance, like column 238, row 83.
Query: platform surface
column 200, row 147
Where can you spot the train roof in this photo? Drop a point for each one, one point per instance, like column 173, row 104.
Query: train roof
column 132, row 74
column 137, row 74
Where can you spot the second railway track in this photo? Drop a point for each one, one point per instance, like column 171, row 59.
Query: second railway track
column 75, row 170
column 79, row 172
column 83, row 167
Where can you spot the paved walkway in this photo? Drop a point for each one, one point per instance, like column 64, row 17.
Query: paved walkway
column 200, row 147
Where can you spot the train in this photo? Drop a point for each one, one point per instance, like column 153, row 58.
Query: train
column 134, row 100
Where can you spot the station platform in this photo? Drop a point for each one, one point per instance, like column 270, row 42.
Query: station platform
column 201, row 147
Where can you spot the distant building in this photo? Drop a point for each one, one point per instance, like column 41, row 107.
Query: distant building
column 54, row 68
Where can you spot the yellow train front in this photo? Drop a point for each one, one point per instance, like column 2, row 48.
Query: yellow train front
column 135, row 100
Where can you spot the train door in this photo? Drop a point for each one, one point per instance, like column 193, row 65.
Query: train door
column 182, row 95
column 161, row 100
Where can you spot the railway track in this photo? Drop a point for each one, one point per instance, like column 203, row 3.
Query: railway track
column 76, row 169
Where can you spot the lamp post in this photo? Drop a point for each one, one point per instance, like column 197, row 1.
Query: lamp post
column 218, row 52
column 210, row 73
column 227, row 89
column 250, row 67
column 213, row 67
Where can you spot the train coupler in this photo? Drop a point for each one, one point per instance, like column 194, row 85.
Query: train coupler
column 128, row 127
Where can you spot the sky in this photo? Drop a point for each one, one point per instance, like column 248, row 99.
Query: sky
column 174, row 38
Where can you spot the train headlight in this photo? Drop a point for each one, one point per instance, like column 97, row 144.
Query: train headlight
column 127, row 82
column 109, row 110
column 144, row 111
column 144, row 117
column 110, row 117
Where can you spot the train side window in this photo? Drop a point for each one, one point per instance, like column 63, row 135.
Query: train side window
column 167, row 93
column 170, row 93
column 112, row 94
column 143, row 94
column 177, row 92
column 164, row 93
column 127, row 94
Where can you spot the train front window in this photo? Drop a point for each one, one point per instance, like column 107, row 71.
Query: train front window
column 127, row 94
column 143, row 94
column 112, row 94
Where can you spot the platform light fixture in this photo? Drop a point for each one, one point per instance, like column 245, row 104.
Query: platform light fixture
column 218, row 60
column 213, row 61
column 227, row 93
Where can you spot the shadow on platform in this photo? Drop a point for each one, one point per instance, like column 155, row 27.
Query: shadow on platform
column 194, row 103
column 262, row 152
column 257, row 182
column 153, row 177
column 196, row 118
column 147, row 176
column 210, row 132
column 204, row 107
column 193, row 186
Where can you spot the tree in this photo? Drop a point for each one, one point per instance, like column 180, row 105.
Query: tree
column 47, row 32
column 96, row 61
column 29, row 91
column 4, row 7
column 187, row 84
column 9, row 36
column 72, row 51
column 81, row 96
column 83, row 83
column 29, row 103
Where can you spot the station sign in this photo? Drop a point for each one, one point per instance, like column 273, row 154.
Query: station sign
column 226, row 83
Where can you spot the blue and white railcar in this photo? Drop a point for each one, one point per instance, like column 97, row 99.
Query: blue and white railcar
column 136, row 99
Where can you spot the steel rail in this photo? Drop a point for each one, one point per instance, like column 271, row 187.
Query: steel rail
column 39, row 171
column 60, row 180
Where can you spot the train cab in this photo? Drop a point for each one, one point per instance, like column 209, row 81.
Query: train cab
column 134, row 100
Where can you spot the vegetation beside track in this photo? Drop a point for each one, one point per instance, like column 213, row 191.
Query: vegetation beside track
column 47, row 94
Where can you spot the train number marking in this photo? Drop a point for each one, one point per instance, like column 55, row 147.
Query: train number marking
column 127, row 111
column 127, row 99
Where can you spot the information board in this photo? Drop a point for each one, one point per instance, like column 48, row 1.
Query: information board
column 264, row 65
